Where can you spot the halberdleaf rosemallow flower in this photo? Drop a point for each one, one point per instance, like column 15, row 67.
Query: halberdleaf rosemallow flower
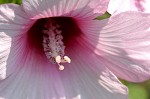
column 117, row 6
column 56, row 50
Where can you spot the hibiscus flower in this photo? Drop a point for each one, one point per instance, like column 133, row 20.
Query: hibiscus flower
column 117, row 6
column 57, row 50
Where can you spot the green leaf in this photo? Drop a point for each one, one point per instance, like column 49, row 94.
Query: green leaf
column 104, row 16
column 137, row 92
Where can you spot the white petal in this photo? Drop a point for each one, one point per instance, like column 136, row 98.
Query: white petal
column 118, row 6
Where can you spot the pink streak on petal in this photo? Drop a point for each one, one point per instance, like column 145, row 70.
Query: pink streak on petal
column 139, row 5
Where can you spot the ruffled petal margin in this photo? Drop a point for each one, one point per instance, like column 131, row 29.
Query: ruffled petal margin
column 37, row 9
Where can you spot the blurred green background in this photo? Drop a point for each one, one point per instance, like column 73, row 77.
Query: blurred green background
column 136, row 90
column 10, row 1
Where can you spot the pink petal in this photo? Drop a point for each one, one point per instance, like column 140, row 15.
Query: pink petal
column 117, row 6
column 124, row 44
column 30, row 75
column 12, row 23
column 88, row 76
column 37, row 9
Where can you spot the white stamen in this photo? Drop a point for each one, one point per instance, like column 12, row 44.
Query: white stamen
column 54, row 46
column 67, row 59
column 58, row 59
column 61, row 67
